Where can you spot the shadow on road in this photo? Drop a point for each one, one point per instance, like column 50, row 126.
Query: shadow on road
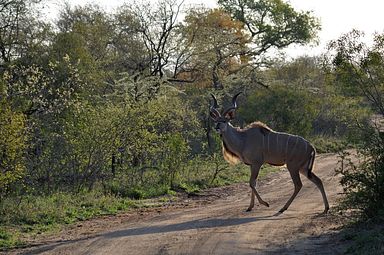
column 188, row 225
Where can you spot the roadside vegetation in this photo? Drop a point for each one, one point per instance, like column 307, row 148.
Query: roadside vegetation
column 359, row 72
column 101, row 111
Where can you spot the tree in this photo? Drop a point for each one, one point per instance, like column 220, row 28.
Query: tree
column 271, row 24
column 93, row 24
column 215, row 44
column 310, row 76
column 359, row 71
column 130, row 52
column 283, row 108
column 305, row 72
column 47, row 97
column 85, row 35
column 157, row 27
column 12, row 146
column 22, row 34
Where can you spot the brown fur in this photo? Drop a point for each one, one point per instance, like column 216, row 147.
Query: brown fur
column 257, row 124
column 229, row 156
column 249, row 144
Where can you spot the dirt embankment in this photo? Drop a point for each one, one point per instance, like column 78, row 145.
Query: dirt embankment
column 215, row 222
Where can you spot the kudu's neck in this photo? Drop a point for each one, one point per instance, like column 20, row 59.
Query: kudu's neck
column 233, row 139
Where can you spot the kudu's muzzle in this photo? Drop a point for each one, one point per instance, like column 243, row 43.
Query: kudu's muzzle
column 217, row 125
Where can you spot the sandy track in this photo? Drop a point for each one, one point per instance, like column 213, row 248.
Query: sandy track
column 221, row 226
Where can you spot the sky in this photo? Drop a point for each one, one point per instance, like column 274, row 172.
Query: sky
column 336, row 16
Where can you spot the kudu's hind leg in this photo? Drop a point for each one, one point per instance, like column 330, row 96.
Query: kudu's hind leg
column 255, row 168
column 294, row 172
column 319, row 184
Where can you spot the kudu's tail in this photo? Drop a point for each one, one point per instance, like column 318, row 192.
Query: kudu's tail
column 311, row 162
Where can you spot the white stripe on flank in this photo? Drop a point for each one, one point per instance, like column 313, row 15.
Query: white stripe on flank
column 286, row 148
column 306, row 145
column 277, row 142
column 294, row 145
column 263, row 144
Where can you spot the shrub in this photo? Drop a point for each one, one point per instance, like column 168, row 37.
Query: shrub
column 12, row 146
column 282, row 108
column 363, row 182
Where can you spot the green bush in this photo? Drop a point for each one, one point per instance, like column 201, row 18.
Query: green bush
column 363, row 182
column 43, row 212
column 12, row 147
column 327, row 144
column 358, row 72
column 20, row 216
column 8, row 240
column 283, row 109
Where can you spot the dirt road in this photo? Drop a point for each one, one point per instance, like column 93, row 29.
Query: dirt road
column 217, row 226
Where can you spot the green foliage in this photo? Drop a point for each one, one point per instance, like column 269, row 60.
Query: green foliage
column 303, row 72
column 328, row 144
column 74, row 46
column 338, row 115
column 43, row 90
column 272, row 23
column 363, row 182
column 28, row 215
column 12, row 147
column 359, row 69
column 8, row 239
column 301, row 99
column 23, row 34
column 283, row 109
column 48, row 97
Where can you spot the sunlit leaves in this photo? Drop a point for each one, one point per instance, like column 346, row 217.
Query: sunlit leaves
column 359, row 72
column 12, row 146
column 359, row 69
column 283, row 108
column 217, row 45
column 272, row 23
column 22, row 34
column 34, row 89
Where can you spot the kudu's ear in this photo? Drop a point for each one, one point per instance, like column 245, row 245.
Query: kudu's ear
column 230, row 112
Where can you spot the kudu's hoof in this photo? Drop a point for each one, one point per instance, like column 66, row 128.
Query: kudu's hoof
column 280, row 212
column 325, row 212
column 277, row 214
column 248, row 209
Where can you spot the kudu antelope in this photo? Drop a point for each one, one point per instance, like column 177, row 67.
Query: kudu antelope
column 257, row 144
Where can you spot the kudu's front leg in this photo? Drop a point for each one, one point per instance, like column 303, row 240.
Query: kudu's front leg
column 255, row 168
